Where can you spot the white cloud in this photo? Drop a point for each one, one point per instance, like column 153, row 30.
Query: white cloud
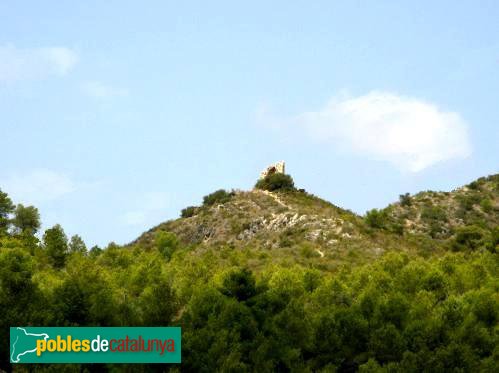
column 35, row 63
column 407, row 132
column 37, row 186
column 102, row 91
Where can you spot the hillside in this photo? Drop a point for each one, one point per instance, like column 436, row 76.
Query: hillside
column 294, row 226
column 291, row 226
column 441, row 214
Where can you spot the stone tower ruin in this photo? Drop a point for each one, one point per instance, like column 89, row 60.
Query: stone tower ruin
column 276, row 168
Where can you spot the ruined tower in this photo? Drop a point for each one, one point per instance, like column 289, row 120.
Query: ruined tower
column 276, row 168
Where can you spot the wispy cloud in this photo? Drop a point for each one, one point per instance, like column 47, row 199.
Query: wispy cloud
column 410, row 133
column 37, row 186
column 35, row 63
column 103, row 91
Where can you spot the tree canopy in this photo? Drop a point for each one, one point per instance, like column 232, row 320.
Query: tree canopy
column 399, row 313
column 26, row 219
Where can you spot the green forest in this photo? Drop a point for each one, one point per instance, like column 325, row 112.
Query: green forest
column 426, row 301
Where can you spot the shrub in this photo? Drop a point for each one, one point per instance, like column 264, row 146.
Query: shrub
column 167, row 243
column 466, row 202
column 397, row 228
column 474, row 185
column 470, row 237
column 307, row 252
column 376, row 218
column 276, row 181
column 486, row 205
column 188, row 212
column 285, row 241
column 405, row 199
column 220, row 196
column 494, row 240
column 436, row 229
column 433, row 213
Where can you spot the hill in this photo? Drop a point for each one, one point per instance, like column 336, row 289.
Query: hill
column 441, row 214
column 276, row 280
column 282, row 227
column 293, row 226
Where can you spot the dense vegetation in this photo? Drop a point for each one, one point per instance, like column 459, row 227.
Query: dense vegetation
column 220, row 196
column 402, row 312
column 440, row 215
column 276, row 181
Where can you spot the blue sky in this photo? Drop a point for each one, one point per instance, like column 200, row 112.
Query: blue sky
column 115, row 115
